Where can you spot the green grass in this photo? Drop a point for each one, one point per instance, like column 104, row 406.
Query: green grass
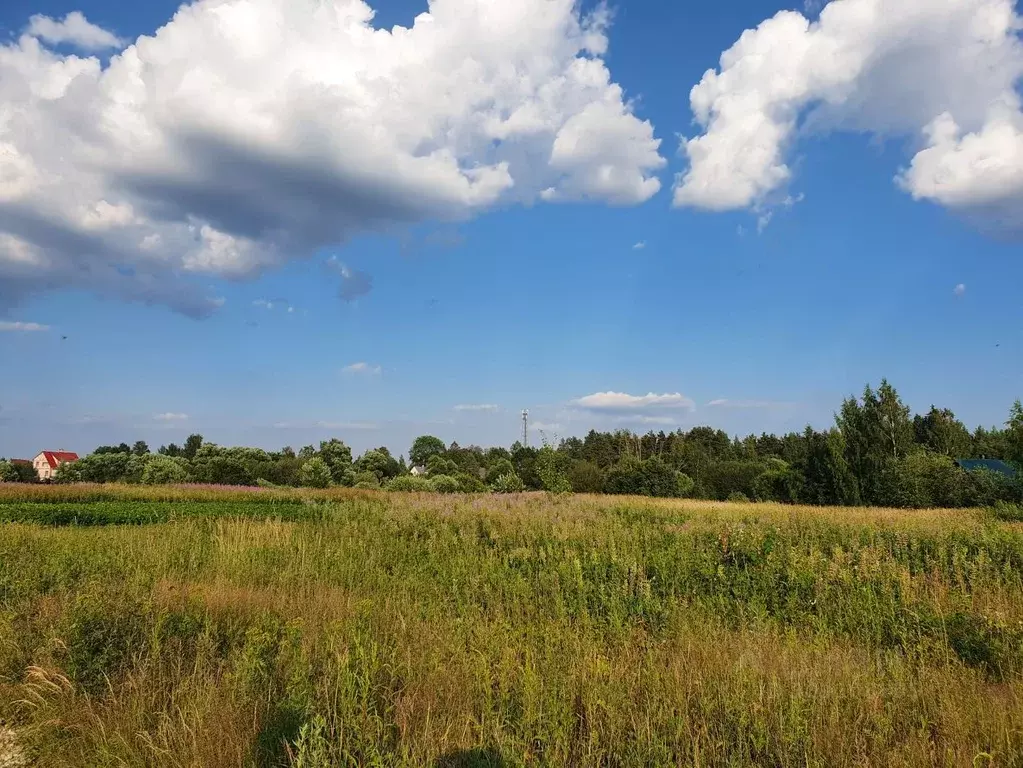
column 373, row 629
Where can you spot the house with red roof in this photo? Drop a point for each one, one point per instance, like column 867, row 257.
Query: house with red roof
column 46, row 463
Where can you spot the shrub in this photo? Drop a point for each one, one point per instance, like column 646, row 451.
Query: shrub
column 684, row 484
column 8, row 474
column 469, row 484
column 738, row 497
column 315, row 473
column 509, row 483
column 163, row 470
column 410, row 484
column 585, row 477
column 626, row 478
column 67, row 473
column 445, row 484
column 552, row 475
column 367, row 480
column 498, row 469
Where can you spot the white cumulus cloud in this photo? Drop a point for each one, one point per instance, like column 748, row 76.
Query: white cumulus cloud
column 960, row 289
column 623, row 403
column 943, row 73
column 73, row 29
column 6, row 325
column 244, row 133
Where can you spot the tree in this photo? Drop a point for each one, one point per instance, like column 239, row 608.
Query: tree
column 1014, row 434
column 108, row 467
column 551, row 473
column 659, row 479
column 626, row 478
column 423, row 447
column 192, row 446
column 509, row 483
column 827, row 478
column 445, row 484
column 140, row 448
column 439, row 464
column 315, row 473
column 337, row 456
column 164, row 470
column 722, row 478
column 67, row 473
column 105, row 450
column 378, row 461
column 498, row 469
column 8, row 474
column 941, row 432
column 171, row 450
column 585, row 477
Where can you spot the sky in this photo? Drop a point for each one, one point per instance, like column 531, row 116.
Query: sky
column 277, row 221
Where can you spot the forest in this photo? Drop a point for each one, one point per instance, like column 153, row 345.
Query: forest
column 877, row 453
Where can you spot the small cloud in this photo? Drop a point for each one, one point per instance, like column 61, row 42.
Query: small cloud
column 362, row 369
column 744, row 404
column 75, row 30
column 485, row 408
column 812, row 7
column 272, row 304
column 354, row 283
column 25, row 327
column 960, row 289
column 171, row 417
column 639, row 246
column 621, row 402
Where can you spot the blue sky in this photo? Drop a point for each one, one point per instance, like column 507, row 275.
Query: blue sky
column 535, row 304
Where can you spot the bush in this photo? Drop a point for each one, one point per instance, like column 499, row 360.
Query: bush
column 1010, row 513
column 315, row 474
column 469, row 484
column 498, row 469
column 410, row 484
column 67, row 473
column 626, row 478
column 684, row 484
column 585, row 477
column 367, row 480
column 738, row 497
column 445, row 484
column 552, row 475
column 8, row 474
column 163, row 470
column 509, row 483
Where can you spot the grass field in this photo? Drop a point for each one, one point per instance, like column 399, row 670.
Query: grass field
column 265, row 628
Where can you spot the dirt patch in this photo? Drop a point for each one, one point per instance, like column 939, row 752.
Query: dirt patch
column 11, row 753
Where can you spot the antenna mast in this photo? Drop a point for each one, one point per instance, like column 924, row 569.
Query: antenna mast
column 525, row 429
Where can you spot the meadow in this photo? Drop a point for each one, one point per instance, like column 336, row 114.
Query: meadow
column 187, row 626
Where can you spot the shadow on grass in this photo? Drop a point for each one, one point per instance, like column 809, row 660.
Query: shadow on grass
column 472, row 758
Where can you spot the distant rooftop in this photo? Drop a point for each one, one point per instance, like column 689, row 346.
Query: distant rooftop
column 992, row 465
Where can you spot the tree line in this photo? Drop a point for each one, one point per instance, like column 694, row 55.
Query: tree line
column 877, row 453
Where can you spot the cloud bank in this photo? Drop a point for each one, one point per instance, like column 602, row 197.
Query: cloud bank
column 244, row 133
column 942, row 73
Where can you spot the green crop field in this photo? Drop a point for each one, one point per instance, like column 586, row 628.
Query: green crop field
column 204, row 627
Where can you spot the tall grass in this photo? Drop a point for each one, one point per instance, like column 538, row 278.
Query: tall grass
column 438, row 630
